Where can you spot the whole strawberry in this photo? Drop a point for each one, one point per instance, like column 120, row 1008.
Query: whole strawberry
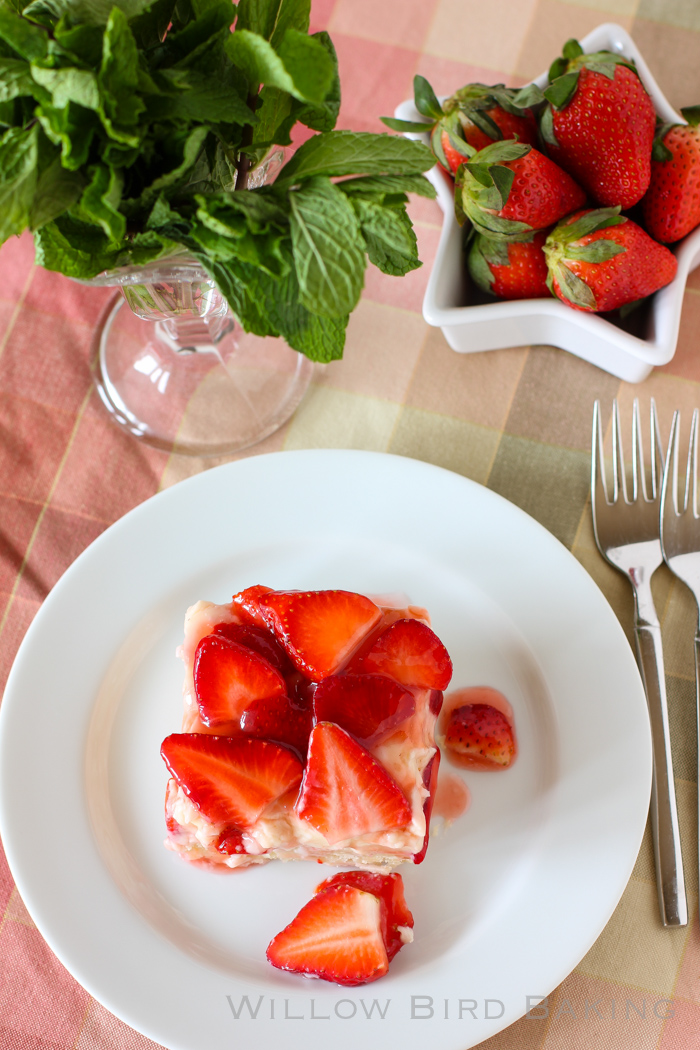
column 477, row 114
column 480, row 115
column 510, row 270
column 599, row 124
column 509, row 189
column 671, row 205
column 598, row 260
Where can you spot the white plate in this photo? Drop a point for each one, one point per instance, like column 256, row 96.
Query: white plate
column 524, row 322
column 509, row 898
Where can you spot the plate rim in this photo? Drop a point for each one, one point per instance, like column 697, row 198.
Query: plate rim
column 316, row 458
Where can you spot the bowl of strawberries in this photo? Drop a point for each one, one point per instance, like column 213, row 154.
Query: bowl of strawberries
column 572, row 208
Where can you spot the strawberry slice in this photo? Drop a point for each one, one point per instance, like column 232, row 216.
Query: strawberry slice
column 230, row 780
column 320, row 630
column 481, row 736
column 336, row 936
column 411, row 653
column 368, row 706
column 228, row 677
column 345, row 791
column 283, row 719
column 389, row 888
column 430, row 781
column 260, row 640
column 247, row 604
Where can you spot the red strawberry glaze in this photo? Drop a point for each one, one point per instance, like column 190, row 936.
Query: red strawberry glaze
column 452, row 797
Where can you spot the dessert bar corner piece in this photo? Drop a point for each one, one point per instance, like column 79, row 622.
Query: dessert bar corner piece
column 308, row 731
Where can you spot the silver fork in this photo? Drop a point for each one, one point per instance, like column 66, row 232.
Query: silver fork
column 680, row 528
column 626, row 530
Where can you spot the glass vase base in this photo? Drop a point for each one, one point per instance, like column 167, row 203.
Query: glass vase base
column 196, row 387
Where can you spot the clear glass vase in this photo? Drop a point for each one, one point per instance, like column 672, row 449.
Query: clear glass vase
column 175, row 369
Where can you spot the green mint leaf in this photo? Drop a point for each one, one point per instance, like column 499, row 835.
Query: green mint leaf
column 336, row 153
column 57, row 189
column 198, row 41
column 302, row 67
column 324, row 116
column 425, row 99
column 191, row 150
column 202, row 99
column 162, row 214
column 73, row 248
column 27, row 40
column 100, row 203
column 272, row 18
column 150, row 26
column 562, row 90
column 15, row 79
column 375, row 187
column 405, row 125
column 572, row 49
column 69, row 85
column 310, row 65
column 87, row 12
column 19, row 150
column 118, row 80
column 271, row 306
column 71, row 128
column 389, row 237
column 327, row 248
column 85, row 42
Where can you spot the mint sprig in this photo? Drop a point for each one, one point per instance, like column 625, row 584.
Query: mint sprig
column 129, row 130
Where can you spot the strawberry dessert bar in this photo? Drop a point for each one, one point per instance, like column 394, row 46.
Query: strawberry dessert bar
column 308, row 731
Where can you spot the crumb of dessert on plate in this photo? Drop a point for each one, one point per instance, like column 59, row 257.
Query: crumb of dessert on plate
column 308, row 730
column 348, row 932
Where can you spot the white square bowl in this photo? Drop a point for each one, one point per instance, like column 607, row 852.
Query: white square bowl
column 492, row 326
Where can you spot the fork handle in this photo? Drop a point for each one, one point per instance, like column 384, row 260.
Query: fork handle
column 664, row 815
column 697, row 715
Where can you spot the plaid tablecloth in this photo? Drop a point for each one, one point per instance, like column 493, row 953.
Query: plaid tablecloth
column 516, row 420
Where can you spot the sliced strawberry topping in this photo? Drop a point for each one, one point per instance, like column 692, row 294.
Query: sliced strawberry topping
column 345, row 791
column 481, row 736
column 230, row 780
column 412, row 654
column 284, row 719
column 336, row 936
column 388, row 888
column 430, row 781
column 247, row 604
column 367, row 705
column 320, row 630
column 228, row 677
column 259, row 639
